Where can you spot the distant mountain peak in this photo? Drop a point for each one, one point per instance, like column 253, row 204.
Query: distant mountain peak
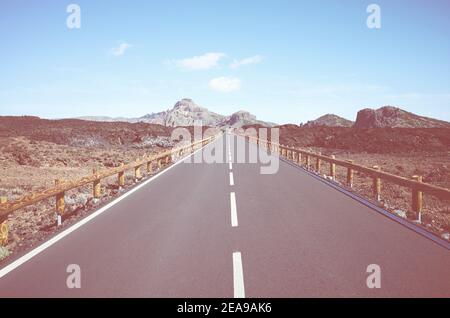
column 394, row 117
column 240, row 118
column 329, row 120
column 186, row 112
column 187, row 104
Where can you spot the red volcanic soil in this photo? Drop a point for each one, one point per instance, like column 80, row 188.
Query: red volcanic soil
column 75, row 132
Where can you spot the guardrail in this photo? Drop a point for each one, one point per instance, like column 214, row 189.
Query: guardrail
column 61, row 187
column 304, row 158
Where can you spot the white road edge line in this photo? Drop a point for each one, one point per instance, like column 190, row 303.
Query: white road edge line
column 238, row 276
column 20, row 261
column 231, row 179
column 234, row 219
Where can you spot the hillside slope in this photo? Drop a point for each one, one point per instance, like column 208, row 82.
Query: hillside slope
column 329, row 120
column 394, row 117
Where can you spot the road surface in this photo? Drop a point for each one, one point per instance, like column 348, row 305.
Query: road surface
column 225, row 230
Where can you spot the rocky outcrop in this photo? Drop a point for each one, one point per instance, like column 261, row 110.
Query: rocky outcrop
column 329, row 120
column 393, row 117
column 243, row 118
column 239, row 118
column 184, row 113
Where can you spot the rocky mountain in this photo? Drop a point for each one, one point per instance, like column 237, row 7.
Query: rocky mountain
column 393, row 117
column 186, row 113
column 329, row 120
column 243, row 118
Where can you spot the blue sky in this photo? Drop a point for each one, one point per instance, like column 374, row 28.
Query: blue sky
column 285, row 61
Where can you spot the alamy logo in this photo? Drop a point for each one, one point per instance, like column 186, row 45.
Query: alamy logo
column 74, row 19
column 374, row 279
column 374, row 19
column 74, row 278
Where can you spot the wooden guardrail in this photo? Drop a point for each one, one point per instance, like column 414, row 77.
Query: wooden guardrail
column 61, row 187
column 303, row 158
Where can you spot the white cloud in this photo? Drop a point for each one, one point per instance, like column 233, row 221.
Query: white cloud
column 120, row 50
column 225, row 84
column 247, row 61
column 202, row 62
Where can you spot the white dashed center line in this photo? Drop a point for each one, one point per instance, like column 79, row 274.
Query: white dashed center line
column 234, row 219
column 238, row 276
column 231, row 179
column 229, row 151
column 238, row 273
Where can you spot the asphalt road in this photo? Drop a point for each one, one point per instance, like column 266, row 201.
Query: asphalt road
column 221, row 230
